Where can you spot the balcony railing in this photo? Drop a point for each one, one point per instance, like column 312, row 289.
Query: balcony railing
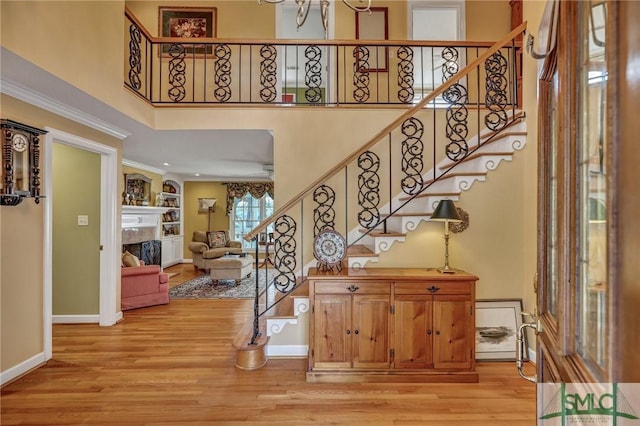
column 169, row 71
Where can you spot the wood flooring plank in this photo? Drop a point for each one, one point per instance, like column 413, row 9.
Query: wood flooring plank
column 174, row 365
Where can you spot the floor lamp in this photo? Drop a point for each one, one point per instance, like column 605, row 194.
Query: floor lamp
column 208, row 205
column 446, row 212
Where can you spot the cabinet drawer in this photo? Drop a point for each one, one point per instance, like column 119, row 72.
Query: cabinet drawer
column 352, row 287
column 422, row 287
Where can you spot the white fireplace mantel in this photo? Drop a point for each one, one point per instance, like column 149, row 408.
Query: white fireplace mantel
column 143, row 210
column 141, row 223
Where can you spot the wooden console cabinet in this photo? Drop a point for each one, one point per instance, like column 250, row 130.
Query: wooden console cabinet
column 401, row 325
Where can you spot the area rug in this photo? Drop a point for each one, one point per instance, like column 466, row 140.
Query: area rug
column 202, row 287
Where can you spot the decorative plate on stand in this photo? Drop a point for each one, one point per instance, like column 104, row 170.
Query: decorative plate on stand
column 329, row 249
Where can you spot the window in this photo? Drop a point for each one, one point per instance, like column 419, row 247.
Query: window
column 248, row 212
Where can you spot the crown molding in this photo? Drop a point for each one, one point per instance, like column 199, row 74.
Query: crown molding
column 141, row 166
column 49, row 104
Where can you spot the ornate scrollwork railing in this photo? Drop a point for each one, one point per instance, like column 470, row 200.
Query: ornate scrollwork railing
column 317, row 72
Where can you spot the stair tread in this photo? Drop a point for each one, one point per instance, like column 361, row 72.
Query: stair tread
column 411, row 214
column 383, row 234
column 474, row 156
column 451, row 175
column 360, row 250
column 284, row 308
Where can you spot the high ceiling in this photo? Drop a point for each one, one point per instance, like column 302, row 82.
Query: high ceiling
column 215, row 154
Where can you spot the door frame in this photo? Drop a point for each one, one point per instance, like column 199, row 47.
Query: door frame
column 109, row 230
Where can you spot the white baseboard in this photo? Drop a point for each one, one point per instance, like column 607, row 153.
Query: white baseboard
column 119, row 317
column 187, row 261
column 22, row 368
column 75, row 319
column 532, row 355
column 287, row 351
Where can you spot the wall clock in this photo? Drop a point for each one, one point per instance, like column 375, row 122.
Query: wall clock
column 20, row 163
column 329, row 249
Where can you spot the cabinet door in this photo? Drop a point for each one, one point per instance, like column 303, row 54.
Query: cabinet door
column 177, row 249
column 413, row 332
column 166, row 252
column 453, row 332
column 370, row 331
column 332, row 331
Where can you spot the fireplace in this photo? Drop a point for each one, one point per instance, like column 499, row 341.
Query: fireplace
column 141, row 233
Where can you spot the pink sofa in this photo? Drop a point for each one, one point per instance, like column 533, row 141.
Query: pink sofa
column 143, row 286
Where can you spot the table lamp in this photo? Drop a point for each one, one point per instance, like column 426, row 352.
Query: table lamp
column 446, row 211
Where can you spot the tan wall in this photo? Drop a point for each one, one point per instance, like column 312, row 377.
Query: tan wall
column 76, row 253
column 21, row 244
column 194, row 221
column 82, row 54
column 487, row 20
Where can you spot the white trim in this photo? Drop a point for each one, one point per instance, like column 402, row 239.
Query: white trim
column 287, row 351
column 22, row 368
column 75, row 319
column 141, row 166
column 110, row 232
column 49, row 104
column 532, row 355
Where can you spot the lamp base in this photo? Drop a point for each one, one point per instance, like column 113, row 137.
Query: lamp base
column 446, row 270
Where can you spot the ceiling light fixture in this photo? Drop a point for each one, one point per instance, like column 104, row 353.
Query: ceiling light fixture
column 166, row 164
column 304, row 6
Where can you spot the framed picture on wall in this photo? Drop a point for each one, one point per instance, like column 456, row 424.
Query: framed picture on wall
column 497, row 324
column 372, row 26
column 188, row 23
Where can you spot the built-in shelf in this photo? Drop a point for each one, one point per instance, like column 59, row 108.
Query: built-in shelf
column 172, row 239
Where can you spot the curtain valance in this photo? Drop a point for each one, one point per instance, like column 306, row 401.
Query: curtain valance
column 240, row 189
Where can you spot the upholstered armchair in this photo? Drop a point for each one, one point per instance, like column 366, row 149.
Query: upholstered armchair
column 142, row 285
column 206, row 246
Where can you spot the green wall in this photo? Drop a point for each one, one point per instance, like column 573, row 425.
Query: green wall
column 76, row 249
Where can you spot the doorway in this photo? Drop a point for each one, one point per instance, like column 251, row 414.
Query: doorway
column 108, row 259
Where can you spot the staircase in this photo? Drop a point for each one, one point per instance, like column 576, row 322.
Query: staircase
column 382, row 191
column 495, row 148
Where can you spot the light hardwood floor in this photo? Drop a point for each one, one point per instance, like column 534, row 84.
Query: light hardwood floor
column 174, row 365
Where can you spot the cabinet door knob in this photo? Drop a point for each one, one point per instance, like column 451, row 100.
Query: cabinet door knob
column 357, row 332
column 348, row 331
column 433, row 289
column 353, row 288
column 438, row 333
column 429, row 332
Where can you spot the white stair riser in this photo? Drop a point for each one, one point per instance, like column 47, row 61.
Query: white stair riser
column 300, row 305
column 385, row 243
column 426, row 204
column 482, row 164
column 456, row 183
column 276, row 324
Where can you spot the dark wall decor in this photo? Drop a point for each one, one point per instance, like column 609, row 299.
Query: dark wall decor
column 20, row 163
column 188, row 23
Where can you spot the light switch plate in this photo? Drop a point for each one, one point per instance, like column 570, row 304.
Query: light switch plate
column 83, row 220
